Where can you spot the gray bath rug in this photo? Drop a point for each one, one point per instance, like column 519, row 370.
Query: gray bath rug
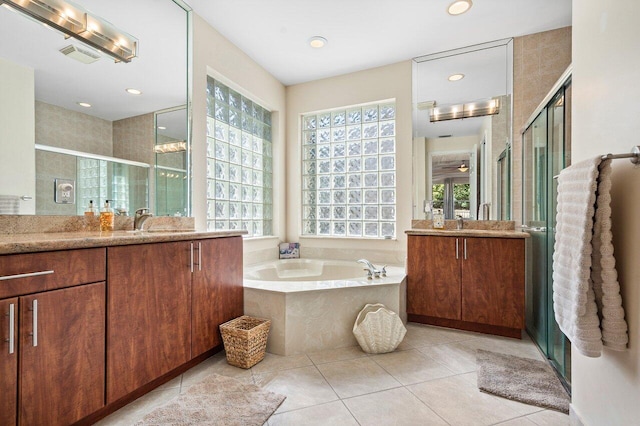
column 521, row 379
column 217, row 400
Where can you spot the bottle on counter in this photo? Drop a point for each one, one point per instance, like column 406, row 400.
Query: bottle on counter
column 90, row 211
column 106, row 217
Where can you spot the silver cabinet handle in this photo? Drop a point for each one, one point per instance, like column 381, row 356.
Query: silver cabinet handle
column 456, row 248
column 199, row 256
column 26, row 198
column 34, row 308
column 465, row 249
column 191, row 258
column 30, row 274
column 12, row 337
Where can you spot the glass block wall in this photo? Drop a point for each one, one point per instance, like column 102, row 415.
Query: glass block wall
column 349, row 172
column 239, row 162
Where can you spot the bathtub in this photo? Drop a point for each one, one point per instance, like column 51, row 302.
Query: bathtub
column 313, row 303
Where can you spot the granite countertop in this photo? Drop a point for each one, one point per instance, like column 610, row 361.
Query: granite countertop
column 48, row 241
column 469, row 233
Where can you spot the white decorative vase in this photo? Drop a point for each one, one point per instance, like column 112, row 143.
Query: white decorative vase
column 378, row 330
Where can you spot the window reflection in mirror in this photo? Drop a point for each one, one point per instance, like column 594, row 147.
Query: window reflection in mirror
column 450, row 128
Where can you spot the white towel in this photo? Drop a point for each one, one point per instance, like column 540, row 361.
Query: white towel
column 580, row 293
column 9, row 204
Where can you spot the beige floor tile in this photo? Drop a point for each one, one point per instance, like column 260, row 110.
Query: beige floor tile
column 216, row 364
column 332, row 413
column 333, row 355
column 357, row 377
column 419, row 335
column 520, row 421
column 549, row 418
column 273, row 362
column 139, row 408
column 457, row 357
column 411, row 366
column 459, row 402
column 303, row 387
column 173, row 383
column 518, row 347
column 392, row 407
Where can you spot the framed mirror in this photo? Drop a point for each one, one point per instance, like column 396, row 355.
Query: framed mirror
column 68, row 95
column 462, row 124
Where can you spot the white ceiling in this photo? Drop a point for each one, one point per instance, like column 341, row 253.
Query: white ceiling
column 367, row 33
column 159, row 70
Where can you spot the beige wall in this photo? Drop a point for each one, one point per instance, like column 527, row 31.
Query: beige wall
column 377, row 84
column 606, row 390
column 216, row 56
column 64, row 128
column 538, row 61
column 16, row 134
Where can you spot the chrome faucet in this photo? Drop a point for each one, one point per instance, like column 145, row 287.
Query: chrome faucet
column 140, row 218
column 372, row 271
column 460, row 222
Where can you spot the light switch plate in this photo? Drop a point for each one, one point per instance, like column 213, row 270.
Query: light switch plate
column 64, row 191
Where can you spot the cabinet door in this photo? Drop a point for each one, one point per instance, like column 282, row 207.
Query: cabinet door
column 149, row 313
column 493, row 282
column 217, row 290
column 433, row 282
column 62, row 338
column 8, row 361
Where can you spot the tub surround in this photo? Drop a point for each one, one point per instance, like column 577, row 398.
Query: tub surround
column 311, row 316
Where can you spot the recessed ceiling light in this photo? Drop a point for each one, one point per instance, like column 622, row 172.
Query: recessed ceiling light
column 317, row 42
column 456, row 77
column 459, row 7
column 84, row 104
column 134, row 91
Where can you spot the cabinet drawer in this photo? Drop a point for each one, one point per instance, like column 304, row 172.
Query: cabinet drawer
column 34, row 272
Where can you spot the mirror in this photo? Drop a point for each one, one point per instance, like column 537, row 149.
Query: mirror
column 46, row 78
column 462, row 125
column 171, row 162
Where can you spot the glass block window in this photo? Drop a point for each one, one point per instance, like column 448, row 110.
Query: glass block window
column 349, row 172
column 239, row 162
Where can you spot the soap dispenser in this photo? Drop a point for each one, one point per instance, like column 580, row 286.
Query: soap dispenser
column 90, row 211
column 438, row 219
column 106, row 217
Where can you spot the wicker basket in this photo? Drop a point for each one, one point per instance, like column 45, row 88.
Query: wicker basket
column 245, row 340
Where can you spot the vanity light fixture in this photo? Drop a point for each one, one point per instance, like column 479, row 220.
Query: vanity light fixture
column 73, row 21
column 468, row 110
column 133, row 91
column 455, row 77
column 317, row 42
column 84, row 104
column 463, row 167
column 459, row 7
column 170, row 147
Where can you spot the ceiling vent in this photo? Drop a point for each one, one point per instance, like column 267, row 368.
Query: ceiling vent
column 85, row 56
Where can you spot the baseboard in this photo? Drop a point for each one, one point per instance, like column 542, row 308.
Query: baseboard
column 574, row 418
column 515, row 333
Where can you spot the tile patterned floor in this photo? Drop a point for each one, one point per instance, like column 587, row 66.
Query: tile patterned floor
column 429, row 380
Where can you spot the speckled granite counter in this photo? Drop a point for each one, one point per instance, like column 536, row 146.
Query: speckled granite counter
column 48, row 241
column 469, row 233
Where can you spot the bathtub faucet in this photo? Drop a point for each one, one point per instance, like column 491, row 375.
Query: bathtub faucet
column 372, row 271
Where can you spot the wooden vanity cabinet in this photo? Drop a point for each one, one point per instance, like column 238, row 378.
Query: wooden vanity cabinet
column 217, row 292
column 472, row 283
column 52, row 359
column 149, row 313
column 165, row 303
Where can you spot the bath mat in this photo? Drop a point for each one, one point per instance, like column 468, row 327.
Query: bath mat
column 217, row 400
column 521, row 379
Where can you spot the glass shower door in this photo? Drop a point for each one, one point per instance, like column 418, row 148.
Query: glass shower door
column 535, row 223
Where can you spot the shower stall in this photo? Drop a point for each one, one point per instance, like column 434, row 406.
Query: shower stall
column 546, row 150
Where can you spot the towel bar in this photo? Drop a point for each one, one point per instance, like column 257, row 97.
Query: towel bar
column 634, row 155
